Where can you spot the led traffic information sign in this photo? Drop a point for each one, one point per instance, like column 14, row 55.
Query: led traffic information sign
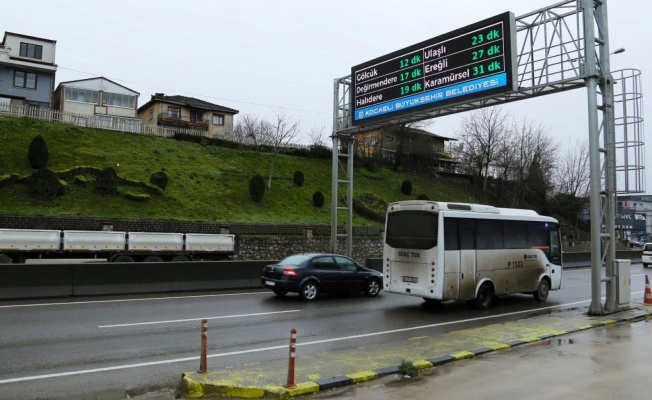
column 466, row 64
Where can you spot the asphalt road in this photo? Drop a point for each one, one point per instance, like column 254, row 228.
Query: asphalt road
column 131, row 344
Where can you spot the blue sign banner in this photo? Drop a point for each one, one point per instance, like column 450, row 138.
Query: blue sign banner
column 433, row 96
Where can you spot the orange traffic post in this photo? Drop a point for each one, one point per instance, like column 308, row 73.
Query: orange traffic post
column 203, row 363
column 648, row 292
column 293, row 345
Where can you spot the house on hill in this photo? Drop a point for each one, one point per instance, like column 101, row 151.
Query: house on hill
column 187, row 114
column 97, row 102
column 412, row 145
column 27, row 71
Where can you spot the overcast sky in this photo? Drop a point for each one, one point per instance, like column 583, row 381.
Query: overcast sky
column 261, row 56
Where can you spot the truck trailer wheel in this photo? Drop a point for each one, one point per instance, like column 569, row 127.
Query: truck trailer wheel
column 123, row 259
column 18, row 259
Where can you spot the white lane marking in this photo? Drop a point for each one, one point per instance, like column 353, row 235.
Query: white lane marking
column 127, row 300
column 283, row 347
column 196, row 319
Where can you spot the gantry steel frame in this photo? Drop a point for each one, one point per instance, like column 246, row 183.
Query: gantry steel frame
column 561, row 47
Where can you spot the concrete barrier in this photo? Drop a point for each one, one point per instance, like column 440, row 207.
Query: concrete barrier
column 120, row 278
column 207, row 275
column 583, row 260
column 57, row 280
column 35, row 280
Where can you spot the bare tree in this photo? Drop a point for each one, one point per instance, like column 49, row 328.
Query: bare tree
column 317, row 136
column 251, row 130
column 533, row 157
column 282, row 132
column 482, row 136
column 573, row 173
column 573, row 181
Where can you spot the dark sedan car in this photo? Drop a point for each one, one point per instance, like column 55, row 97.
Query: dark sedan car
column 312, row 273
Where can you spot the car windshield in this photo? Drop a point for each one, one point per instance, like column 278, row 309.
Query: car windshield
column 293, row 261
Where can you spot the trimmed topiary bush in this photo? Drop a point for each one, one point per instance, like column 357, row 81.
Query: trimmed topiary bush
column 37, row 153
column 406, row 187
column 257, row 188
column 106, row 182
column 44, row 184
column 318, row 199
column 370, row 206
column 423, row 197
column 80, row 180
column 298, row 178
column 159, row 179
column 320, row 152
column 143, row 197
column 4, row 179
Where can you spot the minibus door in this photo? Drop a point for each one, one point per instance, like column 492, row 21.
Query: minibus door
column 467, row 260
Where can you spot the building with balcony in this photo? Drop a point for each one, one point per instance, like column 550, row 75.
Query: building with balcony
column 27, row 71
column 98, row 102
column 414, row 146
column 187, row 114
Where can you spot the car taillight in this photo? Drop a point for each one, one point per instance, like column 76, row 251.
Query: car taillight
column 289, row 272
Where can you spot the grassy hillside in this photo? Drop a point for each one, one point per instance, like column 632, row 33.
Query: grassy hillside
column 206, row 183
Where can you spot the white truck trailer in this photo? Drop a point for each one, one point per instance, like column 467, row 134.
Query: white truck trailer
column 22, row 244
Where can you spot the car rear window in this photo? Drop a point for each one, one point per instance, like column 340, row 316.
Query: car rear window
column 293, row 261
column 648, row 247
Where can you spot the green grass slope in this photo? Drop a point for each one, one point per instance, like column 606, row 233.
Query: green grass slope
column 206, row 183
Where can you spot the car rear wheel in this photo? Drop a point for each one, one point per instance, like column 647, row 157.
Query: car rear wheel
column 309, row 291
column 280, row 293
column 372, row 288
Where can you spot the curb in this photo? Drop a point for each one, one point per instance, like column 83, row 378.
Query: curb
column 196, row 385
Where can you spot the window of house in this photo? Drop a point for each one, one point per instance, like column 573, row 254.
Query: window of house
column 369, row 141
column 151, row 114
column 31, row 50
column 174, row 112
column 81, row 95
column 196, row 116
column 218, row 119
column 118, row 100
column 24, row 79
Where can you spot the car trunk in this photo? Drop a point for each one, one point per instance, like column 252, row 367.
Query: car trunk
column 274, row 271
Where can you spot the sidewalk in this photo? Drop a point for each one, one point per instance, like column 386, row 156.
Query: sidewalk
column 378, row 368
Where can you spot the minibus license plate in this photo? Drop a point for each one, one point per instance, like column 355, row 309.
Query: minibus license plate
column 410, row 279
